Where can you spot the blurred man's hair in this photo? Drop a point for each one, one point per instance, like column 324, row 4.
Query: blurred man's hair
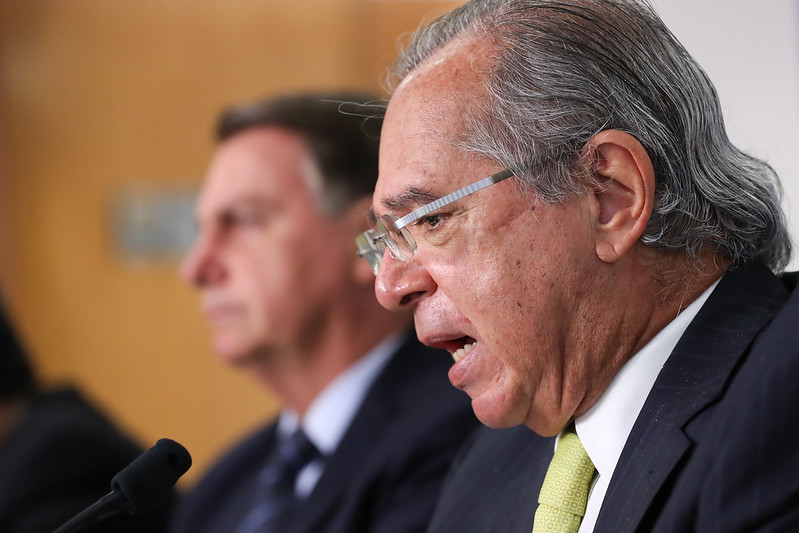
column 342, row 130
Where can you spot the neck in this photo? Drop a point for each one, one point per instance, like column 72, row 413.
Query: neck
column 672, row 285
column 298, row 378
column 617, row 323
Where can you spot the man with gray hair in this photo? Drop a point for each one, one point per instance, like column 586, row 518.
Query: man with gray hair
column 613, row 285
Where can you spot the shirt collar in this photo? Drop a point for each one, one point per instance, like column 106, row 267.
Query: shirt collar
column 605, row 427
column 331, row 412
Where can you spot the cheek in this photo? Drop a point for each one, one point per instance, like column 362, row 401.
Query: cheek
column 266, row 277
column 514, row 307
column 323, row 278
column 496, row 293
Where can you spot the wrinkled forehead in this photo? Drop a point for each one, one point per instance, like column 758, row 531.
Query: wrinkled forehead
column 450, row 82
column 426, row 119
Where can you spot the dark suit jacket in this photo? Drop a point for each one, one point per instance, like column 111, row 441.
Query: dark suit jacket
column 61, row 459
column 715, row 448
column 385, row 474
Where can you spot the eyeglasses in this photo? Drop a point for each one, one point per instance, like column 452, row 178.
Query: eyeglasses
column 391, row 231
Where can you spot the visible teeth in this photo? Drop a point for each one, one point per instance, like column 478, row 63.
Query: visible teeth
column 459, row 353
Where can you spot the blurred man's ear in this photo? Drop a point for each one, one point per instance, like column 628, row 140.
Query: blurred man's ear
column 624, row 193
column 357, row 212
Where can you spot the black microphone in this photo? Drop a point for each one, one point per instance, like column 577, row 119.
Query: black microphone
column 138, row 487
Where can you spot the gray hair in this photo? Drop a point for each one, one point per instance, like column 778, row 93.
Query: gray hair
column 565, row 70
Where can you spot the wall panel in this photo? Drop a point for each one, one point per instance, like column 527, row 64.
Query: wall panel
column 98, row 97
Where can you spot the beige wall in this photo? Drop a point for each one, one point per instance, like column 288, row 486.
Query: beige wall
column 97, row 96
column 751, row 52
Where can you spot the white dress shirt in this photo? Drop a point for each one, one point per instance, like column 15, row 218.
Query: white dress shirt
column 331, row 412
column 605, row 427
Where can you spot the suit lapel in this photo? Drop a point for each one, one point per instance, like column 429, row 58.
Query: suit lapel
column 693, row 377
column 341, row 469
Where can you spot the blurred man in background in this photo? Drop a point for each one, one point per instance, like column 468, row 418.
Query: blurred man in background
column 369, row 423
column 57, row 453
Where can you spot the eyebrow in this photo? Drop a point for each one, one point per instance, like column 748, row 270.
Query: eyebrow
column 236, row 204
column 412, row 197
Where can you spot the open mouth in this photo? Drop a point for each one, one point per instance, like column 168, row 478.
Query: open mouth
column 467, row 343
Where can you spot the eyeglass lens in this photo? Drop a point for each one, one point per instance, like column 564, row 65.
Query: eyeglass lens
column 399, row 241
column 371, row 247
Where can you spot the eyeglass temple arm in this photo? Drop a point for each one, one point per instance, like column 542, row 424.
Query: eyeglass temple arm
column 451, row 197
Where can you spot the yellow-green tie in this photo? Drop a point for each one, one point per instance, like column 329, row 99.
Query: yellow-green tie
column 564, row 494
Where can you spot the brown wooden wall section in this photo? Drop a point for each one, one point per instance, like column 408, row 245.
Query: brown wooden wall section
column 99, row 95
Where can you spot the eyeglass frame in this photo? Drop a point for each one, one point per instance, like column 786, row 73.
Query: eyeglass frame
column 367, row 242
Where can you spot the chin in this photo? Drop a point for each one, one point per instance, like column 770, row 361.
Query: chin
column 494, row 414
column 231, row 353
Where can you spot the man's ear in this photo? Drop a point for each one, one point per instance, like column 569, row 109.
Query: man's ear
column 624, row 193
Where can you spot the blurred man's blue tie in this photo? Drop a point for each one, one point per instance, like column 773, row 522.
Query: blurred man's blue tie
column 275, row 498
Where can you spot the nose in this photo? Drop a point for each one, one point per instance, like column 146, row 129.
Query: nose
column 200, row 266
column 401, row 285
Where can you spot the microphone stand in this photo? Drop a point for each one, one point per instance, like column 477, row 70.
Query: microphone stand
column 101, row 509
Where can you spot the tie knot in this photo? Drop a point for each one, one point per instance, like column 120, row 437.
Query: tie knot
column 572, row 458
column 297, row 451
column 564, row 494
column 569, row 476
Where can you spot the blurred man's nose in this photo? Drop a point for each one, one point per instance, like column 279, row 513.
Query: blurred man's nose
column 200, row 266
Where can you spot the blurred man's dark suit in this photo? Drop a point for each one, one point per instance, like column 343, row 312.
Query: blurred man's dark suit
column 711, row 450
column 385, row 474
